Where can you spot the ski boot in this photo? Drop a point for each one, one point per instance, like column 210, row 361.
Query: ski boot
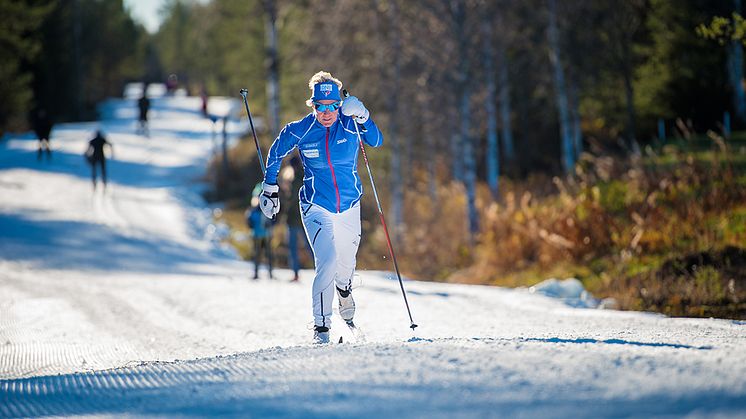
column 346, row 305
column 320, row 334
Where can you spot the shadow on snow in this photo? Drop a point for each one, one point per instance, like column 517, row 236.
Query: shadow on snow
column 252, row 385
column 91, row 246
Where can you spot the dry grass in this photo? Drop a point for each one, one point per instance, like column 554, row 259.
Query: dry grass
column 616, row 225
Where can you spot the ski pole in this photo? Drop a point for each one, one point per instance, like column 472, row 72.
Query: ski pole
column 244, row 92
column 383, row 219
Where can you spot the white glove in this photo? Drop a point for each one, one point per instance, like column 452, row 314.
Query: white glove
column 269, row 200
column 353, row 107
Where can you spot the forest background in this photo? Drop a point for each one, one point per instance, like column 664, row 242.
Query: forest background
column 524, row 139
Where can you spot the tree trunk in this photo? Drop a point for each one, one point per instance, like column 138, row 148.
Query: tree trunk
column 577, row 134
column 273, row 66
column 629, row 92
column 226, row 165
column 457, row 159
column 505, row 106
column 397, row 193
column 470, row 169
column 568, row 160
column 735, row 73
column 493, row 149
column 77, row 63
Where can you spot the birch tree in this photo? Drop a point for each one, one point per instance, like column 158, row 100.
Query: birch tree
column 493, row 148
column 397, row 193
column 568, row 154
column 735, row 70
column 272, row 66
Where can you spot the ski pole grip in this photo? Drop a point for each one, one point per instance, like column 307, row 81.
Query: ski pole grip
column 345, row 93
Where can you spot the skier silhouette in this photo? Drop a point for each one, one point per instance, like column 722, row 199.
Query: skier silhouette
column 295, row 231
column 143, row 105
column 42, row 125
column 261, row 229
column 96, row 156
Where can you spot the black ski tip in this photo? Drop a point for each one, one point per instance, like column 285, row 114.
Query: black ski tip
column 412, row 326
column 340, row 339
column 243, row 92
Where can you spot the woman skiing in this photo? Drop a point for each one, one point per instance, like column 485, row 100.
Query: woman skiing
column 331, row 191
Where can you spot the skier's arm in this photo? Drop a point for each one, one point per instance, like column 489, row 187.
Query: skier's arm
column 371, row 134
column 281, row 147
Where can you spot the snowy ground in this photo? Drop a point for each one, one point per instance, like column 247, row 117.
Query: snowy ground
column 121, row 303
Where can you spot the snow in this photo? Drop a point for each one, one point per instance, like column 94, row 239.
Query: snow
column 570, row 291
column 123, row 302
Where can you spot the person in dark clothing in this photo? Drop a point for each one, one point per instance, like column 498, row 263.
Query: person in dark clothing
column 42, row 125
column 294, row 223
column 261, row 229
column 96, row 156
column 204, row 98
column 144, row 105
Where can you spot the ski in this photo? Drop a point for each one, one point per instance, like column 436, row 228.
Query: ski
column 357, row 336
column 356, row 332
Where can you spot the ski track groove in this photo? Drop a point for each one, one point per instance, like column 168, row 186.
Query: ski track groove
column 269, row 374
column 77, row 393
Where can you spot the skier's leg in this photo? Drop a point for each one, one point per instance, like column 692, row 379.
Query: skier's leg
column 257, row 252
column 293, row 249
column 268, row 249
column 320, row 232
column 93, row 172
column 103, row 171
column 347, row 234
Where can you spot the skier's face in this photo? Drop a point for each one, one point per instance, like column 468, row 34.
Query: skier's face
column 328, row 117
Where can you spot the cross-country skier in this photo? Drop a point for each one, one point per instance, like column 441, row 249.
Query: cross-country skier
column 293, row 180
column 96, row 157
column 331, row 191
column 261, row 231
column 143, row 105
column 42, row 124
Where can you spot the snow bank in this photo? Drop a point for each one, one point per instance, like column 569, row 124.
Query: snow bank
column 570, row 291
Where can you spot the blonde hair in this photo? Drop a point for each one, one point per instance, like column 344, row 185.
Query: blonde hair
column 319, row 77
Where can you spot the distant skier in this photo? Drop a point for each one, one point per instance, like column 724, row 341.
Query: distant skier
column 331, row 191
column 261, row 230
column 204, row 97
column 42, row 125
column 143, row 105
column 295, row 234
column 172, row 83
column 96, row 156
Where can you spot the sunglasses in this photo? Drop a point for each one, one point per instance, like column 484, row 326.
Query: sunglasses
column 330, row 107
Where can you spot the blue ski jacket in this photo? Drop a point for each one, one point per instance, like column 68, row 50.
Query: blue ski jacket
column 329, row 158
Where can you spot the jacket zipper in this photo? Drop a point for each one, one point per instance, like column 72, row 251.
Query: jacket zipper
column 329, row 159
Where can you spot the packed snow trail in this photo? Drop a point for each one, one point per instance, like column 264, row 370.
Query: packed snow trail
column 123, row 303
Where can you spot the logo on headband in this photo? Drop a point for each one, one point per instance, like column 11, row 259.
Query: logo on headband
column 326, row 89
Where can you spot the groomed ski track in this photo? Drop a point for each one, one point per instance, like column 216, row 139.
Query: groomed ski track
column 123, row 303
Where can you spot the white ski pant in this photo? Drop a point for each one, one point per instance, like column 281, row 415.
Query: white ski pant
column 334, row 238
